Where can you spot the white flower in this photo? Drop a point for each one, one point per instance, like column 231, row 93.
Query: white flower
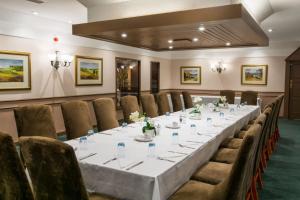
column 223, row 99
column 198, row 100
column 135, row 117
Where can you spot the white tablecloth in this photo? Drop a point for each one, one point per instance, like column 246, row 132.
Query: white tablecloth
column 208, row 99
column 156, row 179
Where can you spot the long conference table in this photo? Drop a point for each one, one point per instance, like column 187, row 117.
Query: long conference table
column 137, row 175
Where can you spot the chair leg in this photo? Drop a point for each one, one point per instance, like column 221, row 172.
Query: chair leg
column 253, row 189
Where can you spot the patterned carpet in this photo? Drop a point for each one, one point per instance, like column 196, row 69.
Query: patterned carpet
column 282, row 176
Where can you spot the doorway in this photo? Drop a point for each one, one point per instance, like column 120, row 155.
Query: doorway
column 154, row 77
column 294, row 97
column 127, row 78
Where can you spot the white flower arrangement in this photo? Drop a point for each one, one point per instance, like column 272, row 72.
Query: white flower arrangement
column 136, row 117
column 223, row 99
column 198, row 100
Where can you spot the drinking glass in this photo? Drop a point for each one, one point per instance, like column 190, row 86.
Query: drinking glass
column 90, row 132
column 193, row 128
column 167, row 113
column 151, row 150
column 175, row 138
column 209, row 121
column 83, row 143
column 221, row 115
column 121, row 150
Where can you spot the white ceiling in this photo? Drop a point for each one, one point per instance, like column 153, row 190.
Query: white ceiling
column 282, row 16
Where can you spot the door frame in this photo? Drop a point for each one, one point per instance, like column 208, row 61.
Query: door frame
column 139, row 78
column 289, row 65
column 151, row 75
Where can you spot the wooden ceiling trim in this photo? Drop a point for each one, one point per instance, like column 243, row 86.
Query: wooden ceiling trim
column 230, row 23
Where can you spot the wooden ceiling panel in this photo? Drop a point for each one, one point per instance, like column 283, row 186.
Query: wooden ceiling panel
column 225, row 24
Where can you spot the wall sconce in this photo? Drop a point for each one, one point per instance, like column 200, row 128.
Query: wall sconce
column 218, row 67
column 58, row 60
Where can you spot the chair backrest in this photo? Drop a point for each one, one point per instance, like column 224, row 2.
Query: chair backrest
column 53, row 169
column 149, row 105
column 162, row 103
column 176, row 101
column 13, row 180
column 278, row 102
column 235, row 186
column 250, row 97
column 129, row 105
column 77, row 118
column 229, row 94
column 35, row 120
column 105, row 111
column 187, row 98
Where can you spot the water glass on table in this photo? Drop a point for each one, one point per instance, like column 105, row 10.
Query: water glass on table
column 175, row 138
column 209, row 121
column 90, row 132
column 151, row 150
column 121, row 150
column 83, row 143
column 193, row 129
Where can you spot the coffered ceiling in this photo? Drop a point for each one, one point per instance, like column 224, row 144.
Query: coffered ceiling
column 223, row 26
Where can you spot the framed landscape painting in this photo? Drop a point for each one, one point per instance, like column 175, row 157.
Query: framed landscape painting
column 190, row 75
column 254, row 74
column 15, row 71
column 89, row 71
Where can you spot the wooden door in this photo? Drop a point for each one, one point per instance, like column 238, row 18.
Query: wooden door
column 154, row 77
column 294, row 98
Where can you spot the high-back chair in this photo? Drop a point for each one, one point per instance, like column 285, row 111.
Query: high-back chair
column 77, row 118
column 105, row 111
column 35, row 120
column 229, row 94
column 162, row 103
column 53, row 169
column 234, row 185
column 13, row 180
column 176, row 101
column 129, row 105
column 187, row 98
column 250, row 97
column 149, row 105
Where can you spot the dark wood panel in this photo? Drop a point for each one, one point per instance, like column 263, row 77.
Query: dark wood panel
column 230, row 23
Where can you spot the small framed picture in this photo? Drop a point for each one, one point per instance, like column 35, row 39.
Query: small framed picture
column 15, row 72
column 254, row 75
column 89, row 71
column 190, row 75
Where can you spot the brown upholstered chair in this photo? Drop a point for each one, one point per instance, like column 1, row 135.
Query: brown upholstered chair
column 162, row 103
column 188, row 101
column 54, row 170
column 77, row 118
column 220, row 181
column 149, row 105
column 13, row 180
column 229, row 94
column 250, row 97
column 105, row 111
column 176, row 101
column 129, row 105
column 35, row 120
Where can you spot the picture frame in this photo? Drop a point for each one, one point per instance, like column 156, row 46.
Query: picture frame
column 15, row 70
column 190, row 75
column 88, row 71
column 254, row 74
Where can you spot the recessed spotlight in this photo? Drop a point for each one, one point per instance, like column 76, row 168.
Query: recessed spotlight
column 201, row 28
column 195, row 39
column 35, row 13
column 228, row 44
column 270, row 30
column 70, row 22
column 170, row 41
column 124, row 35
column 170, row 47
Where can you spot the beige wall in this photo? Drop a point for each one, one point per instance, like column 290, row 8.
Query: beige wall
column 231, row 78
column 47, row 82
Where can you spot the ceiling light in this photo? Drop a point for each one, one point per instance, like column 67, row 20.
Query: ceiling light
column 124, row 35
column 228, row 43
column 70, row 22
column 170, row 47
column 35, row 13
column 170, row 41
column 270, row 30
column 195, row 39
column 201, row 28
